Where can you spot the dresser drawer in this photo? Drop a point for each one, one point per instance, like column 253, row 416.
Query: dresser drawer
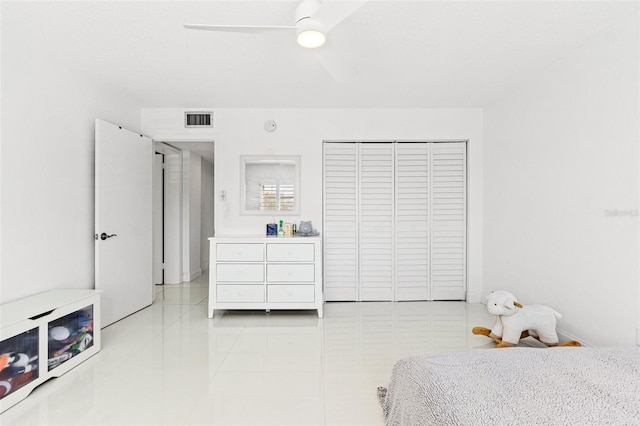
column 239, row 272
column 240, row 293
column 290, row 273
column 290, row 293
column 290, row 252
column 239, row 252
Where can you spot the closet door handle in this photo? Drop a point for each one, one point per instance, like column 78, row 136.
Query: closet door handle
column 104, row 236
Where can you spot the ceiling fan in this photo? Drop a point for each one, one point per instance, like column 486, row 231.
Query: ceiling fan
column 313, row 21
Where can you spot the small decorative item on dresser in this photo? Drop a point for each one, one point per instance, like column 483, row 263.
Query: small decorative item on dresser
column 306, row 229
column 272, row 229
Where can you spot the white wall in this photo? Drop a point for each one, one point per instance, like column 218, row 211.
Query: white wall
column 192, row 209
column 301, row 132
column 47, row 170
column 207, row 214
column 560, row 152
column 173, row 217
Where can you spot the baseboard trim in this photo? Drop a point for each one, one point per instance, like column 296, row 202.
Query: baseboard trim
column 564, row 336
column 474, row 297
column 188, row 277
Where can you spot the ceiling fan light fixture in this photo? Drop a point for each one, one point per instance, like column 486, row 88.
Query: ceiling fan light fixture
column 310, row 33
column 311, row 38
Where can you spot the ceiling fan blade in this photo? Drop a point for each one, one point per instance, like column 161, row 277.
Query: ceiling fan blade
column 335, row 62
column 239, row 28
column 332, row 12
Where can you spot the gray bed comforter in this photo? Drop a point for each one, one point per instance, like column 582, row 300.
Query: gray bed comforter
column 516, row 386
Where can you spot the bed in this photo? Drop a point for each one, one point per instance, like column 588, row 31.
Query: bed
column 516, row 386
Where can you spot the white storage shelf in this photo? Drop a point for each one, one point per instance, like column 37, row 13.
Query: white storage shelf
column 44, row 336
column 257, row 272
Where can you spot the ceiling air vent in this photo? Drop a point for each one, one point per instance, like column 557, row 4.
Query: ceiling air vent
column 198, row 119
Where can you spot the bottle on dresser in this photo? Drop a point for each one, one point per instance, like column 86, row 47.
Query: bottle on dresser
column 272, row 229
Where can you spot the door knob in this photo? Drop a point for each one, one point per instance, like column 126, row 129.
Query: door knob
column 104, row 236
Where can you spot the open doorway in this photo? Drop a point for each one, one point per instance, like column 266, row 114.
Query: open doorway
column 187, row 210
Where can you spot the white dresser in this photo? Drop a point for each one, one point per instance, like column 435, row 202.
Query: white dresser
column 258, row 272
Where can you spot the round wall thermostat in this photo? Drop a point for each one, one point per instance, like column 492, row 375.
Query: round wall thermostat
column 269, row 125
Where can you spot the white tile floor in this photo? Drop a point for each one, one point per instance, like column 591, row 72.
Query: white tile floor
column 171, row 365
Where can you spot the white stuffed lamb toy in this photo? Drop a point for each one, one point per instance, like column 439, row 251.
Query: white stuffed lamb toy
column 515, row 321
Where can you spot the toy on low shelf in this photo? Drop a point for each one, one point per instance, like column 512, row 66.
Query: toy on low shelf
column 515, row 321
column 18, row 361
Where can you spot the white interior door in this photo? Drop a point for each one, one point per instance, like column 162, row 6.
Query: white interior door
column 376, row 225
column 413, row 167
column 449, row 221
column 340, row 222
column 124, row 225
column 394, row 221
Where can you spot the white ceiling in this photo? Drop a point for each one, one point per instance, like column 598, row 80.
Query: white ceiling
column 407, row 53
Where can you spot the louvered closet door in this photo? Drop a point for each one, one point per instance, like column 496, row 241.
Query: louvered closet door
column 376, row 221
column 340, row 226
column 394, row 221
column 412, row 221
column 448, row 228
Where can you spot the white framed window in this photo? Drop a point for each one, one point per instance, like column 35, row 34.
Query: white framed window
column 270, row 184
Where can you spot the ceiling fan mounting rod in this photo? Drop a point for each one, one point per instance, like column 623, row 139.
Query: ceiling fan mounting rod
column 306, row 9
